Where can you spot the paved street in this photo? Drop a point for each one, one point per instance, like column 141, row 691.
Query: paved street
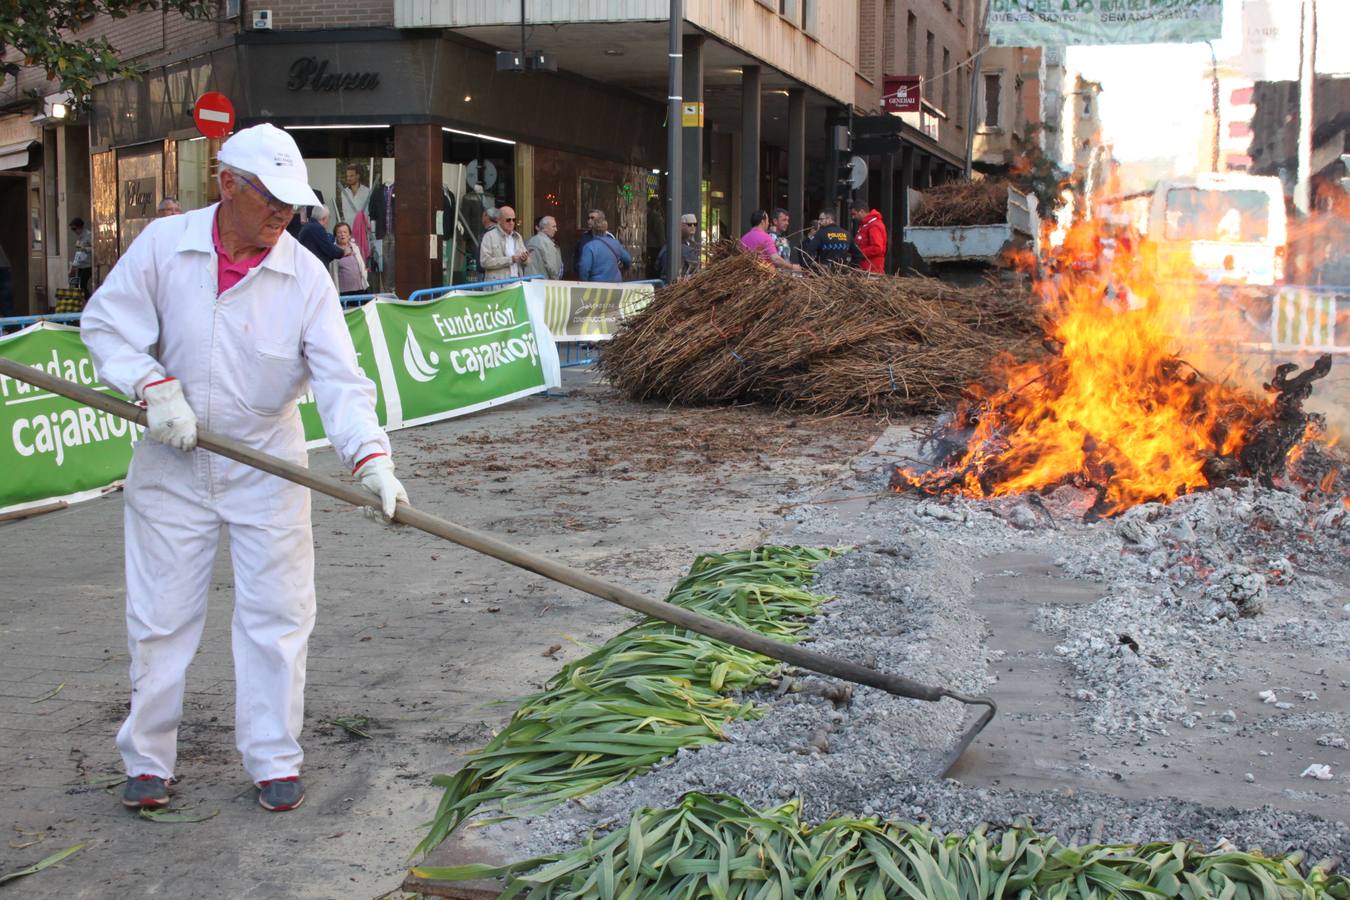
column 414, row 634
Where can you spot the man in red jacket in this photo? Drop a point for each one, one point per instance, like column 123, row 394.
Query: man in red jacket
column 870, row 237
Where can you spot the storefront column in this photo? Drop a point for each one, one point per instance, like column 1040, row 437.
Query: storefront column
column 796, row 142
column 902, row 257
column 417, row 199
column 750, row 112
column 691, row 161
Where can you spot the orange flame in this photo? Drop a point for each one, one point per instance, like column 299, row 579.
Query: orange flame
column 1114, row 407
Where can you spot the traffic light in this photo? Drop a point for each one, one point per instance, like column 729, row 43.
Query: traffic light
column 843, row 181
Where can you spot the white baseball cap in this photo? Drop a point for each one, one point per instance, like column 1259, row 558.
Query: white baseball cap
column 271, row 154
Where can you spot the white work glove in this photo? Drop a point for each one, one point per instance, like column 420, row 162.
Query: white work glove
column 377, row 476
column 169, row 419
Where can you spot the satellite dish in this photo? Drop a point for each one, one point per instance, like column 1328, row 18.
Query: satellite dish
column 857, row 172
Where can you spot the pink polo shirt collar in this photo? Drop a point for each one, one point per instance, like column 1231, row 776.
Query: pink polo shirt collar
column 229, row 273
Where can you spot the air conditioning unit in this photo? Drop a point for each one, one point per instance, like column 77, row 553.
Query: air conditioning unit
column 262, row 20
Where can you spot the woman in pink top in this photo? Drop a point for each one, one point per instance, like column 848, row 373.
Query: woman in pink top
column 349, row 271
column 759, row 242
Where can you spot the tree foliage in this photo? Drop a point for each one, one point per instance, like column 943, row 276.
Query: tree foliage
column 45, row 35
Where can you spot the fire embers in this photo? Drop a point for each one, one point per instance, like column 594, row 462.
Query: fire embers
column 1113, row 410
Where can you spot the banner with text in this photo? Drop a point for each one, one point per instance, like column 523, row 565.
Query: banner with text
column 54, row 448
column 576, row 311
column 1051, row 23
column 451, row 356
column 464, row 352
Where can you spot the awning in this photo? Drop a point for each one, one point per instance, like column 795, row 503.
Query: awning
column 17, row 155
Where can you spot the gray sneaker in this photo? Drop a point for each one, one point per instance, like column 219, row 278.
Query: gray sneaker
column 281, row 794
column 145, row 792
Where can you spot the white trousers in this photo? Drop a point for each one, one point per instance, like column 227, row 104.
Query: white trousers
column 172, row 532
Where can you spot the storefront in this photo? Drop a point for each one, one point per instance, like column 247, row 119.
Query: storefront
column 398, row 132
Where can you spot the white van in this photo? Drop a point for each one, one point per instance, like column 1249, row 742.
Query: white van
column 1227, row 228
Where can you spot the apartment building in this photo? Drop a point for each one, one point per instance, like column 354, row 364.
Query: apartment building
column 1275, row 123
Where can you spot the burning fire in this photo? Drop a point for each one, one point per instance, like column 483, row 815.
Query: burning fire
column 1112, row 407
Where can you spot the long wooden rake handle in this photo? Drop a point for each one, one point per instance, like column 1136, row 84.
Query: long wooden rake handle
column 474, row 540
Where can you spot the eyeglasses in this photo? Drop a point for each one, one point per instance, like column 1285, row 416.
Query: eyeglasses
column 272, row 201
column 508, row 218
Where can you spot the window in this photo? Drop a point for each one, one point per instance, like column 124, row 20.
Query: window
column 930, row 63
column 993, row 106
column 809, row 16
column 1239, row 129
column 888, row 36
column 911, row 44
column 946, row 80
column 962, row 76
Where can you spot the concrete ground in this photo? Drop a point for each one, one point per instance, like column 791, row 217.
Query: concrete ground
column 415, row 636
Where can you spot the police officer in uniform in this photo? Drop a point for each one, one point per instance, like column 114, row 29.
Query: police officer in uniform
column 829, row 245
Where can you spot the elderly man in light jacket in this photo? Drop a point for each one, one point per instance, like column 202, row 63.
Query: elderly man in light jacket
column 503, row 253
column 545, row 257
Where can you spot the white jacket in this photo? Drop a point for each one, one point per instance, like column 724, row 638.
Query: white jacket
column 243, row 358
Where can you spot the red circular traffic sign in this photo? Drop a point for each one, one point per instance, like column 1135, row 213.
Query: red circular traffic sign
column 214, row 114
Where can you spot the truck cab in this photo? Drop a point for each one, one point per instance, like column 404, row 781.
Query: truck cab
column 1225, row 229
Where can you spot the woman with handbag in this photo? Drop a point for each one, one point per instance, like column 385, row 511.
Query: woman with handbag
column 349, row 270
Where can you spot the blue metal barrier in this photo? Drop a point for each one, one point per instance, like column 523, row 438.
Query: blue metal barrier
column 417, row 295
column 14, row 323
column 351, row 300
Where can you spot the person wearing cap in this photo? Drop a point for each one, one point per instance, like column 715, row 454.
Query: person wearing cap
column 218, row 316
column 689, row 251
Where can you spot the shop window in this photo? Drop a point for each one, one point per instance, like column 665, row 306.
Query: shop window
column 194, row 174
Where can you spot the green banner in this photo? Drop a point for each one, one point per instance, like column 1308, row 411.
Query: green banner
column 576, row 311
column 461, row 353
column 55, row 447
column 365, row 358
column 1055, row 23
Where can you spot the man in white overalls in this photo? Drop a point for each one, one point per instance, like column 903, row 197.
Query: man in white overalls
column 219, row 316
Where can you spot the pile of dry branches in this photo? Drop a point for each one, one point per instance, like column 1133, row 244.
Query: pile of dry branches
column 963, row 203
column 830, row 343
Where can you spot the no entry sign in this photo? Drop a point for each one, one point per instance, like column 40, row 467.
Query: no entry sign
column 214, row 114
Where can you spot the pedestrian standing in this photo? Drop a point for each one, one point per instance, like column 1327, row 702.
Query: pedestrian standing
column 689, row 249
column 349, row 270
column 503, row 253
column 759, row 242
column 779, row 223
column 168, row 207
column 587, row 235
column 315, row 238
column 81, row 257
column 603, row 258
column 545, row 256
column 829, row 245
column 220, row 316
column 870, row 237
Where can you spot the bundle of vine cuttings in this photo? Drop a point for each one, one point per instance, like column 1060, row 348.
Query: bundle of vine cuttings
column 642, row 696
column 829, row 343
column 963, row 203
column 719, row 846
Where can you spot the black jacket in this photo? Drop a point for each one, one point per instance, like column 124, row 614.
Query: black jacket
column 316, row 240
column 830, row 245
